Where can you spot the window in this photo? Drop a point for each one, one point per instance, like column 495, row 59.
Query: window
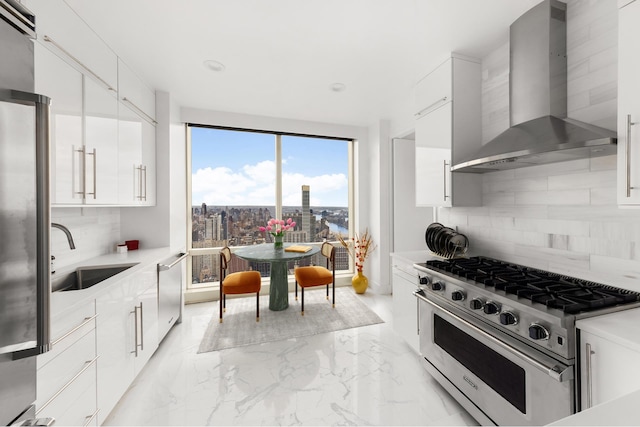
column 240, row 179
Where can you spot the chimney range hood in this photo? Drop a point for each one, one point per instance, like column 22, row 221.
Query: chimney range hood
column 540, row 132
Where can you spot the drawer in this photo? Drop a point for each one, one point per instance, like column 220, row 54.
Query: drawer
column 67, row 331
column 60, row 370
column 76, row 405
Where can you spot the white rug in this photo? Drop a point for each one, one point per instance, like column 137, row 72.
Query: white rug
column 240, row 327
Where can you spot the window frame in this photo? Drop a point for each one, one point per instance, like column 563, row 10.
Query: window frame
column 278, row 200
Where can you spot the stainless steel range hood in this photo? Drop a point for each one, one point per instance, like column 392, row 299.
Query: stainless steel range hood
column 540, row 132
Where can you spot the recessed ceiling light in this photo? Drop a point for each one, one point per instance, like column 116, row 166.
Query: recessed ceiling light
column 338, row 87
column 216, row 66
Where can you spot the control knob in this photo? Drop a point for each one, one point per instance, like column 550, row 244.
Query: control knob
column 491, row 308
column 457, row 295
column 538, row 332
column 437, row 286
column 476, row 304
column 508, row 318
column 424, row 280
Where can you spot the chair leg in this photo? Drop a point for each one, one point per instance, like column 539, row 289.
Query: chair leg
column 334, row 294
column 296, row 290
column 224, row 303
column 258, row 306
column 302, row 291
column 221, row 298
column 327, row 292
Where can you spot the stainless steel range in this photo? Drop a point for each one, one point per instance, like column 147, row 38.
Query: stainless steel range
column 501, row 337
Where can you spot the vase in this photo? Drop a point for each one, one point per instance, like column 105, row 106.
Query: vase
column 277, row 242
column 360, row 283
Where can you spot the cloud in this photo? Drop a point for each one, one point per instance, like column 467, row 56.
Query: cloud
column 255, row 185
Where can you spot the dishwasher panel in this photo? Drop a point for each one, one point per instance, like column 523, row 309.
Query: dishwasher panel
column 170, row 296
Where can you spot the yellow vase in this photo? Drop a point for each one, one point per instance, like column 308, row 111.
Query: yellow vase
column 360, row 283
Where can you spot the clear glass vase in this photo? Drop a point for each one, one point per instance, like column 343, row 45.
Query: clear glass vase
column 277, row 242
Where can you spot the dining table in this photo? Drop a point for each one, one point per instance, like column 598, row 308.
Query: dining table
column 278, row 258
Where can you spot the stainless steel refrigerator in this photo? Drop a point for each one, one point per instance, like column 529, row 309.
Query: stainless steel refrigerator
column 24, row 216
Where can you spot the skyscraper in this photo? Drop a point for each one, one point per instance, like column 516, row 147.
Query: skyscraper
column 307, row 224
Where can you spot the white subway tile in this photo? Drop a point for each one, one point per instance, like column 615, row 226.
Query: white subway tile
column 604, row 163
column 557, row 197
column 591, row 179
column 554, row 226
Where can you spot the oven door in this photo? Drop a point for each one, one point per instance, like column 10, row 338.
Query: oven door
column 509, row 382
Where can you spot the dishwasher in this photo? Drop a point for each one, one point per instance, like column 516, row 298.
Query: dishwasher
column 170, row 293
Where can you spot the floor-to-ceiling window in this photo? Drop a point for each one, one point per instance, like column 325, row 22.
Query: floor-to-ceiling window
column 240, row 179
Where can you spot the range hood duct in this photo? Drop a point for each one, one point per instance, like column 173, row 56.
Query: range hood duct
column 540, row 132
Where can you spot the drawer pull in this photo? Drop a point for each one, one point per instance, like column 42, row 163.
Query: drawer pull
column 86, row 366
column 91, row 417
column 430, row 107
column 139, row 111
column 84, row 322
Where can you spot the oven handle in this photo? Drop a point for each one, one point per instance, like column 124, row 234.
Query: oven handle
column 557, row 372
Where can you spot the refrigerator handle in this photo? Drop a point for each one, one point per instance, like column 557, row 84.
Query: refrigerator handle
column 43, row 221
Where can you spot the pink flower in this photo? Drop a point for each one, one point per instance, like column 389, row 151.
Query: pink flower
column 293, row 224
column 263, row 229
column 269, row 228
column 289, row 220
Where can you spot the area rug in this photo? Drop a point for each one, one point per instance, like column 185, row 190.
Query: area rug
column 240, row 327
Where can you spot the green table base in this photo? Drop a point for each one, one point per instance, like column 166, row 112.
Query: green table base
column 279, row 292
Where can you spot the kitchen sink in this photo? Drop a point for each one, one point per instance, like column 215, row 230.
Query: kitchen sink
column 86, row 277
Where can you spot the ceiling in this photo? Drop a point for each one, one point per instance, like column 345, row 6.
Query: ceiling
column 282, row 56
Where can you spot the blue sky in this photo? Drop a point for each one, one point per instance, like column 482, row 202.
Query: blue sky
column 237, row 168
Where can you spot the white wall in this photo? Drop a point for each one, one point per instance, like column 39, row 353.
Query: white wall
column 561, row 217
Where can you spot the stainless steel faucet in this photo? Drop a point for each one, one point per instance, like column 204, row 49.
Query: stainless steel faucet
column 66, row 231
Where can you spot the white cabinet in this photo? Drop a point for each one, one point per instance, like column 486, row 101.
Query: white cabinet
column 404, row 303
column 448, row 130
column 607, row 369
column 66, row 385
column 628, row 105
column 127, row 334
column 62, row 83
column 136, row 140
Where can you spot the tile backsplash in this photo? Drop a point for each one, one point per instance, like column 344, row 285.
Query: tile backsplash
column 561, row 217
column 95, row 232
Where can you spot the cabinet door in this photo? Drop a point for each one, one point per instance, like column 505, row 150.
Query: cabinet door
column 405, row 308
column 101, row 144
column 629, row 105
column 130, row 135
column 115, row 344
column 434, row 89
column 147, row 315
column 149, row 164
column 63, row 84
column 609, row 371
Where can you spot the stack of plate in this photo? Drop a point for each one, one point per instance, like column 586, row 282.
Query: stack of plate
column 446, row 242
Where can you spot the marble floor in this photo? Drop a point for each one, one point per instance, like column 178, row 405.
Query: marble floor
column 360, row 376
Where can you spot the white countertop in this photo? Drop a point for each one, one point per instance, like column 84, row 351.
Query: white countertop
column 63, row 302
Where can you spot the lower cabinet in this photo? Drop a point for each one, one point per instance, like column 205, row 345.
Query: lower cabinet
column 66, row 385
column 127, row 334
column 404, row 304
column 607, row 369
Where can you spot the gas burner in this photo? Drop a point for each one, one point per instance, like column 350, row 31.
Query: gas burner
column 569, row 294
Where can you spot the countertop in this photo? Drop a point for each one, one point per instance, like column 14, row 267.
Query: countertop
column 64, row 302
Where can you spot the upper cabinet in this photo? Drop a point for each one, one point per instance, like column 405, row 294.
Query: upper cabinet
column 448, row 130
column 628, row 105
column 103, row 115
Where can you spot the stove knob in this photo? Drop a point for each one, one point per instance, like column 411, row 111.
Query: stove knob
column 457, row 295
column 437, row 286
column 424, row 280
column 491, row 308
column 476, row 304
column 538, row 332
column 508, row 318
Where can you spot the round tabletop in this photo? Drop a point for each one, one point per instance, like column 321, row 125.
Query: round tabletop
column 266, row 252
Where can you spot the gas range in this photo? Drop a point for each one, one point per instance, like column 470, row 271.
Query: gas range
column 535, row 306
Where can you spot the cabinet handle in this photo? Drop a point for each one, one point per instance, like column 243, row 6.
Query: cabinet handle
column 84, row 322
column 83, row 175
column 628, row 154
column 589, row 376
column 86, row 366
column 141, row 336
column 429, row 107
column 141, row 329
column 84, row 67
column 90, row 418
column 139, row 111
column 145, row 183
column 444, row 179
column 95, row 174
column 418, row 316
